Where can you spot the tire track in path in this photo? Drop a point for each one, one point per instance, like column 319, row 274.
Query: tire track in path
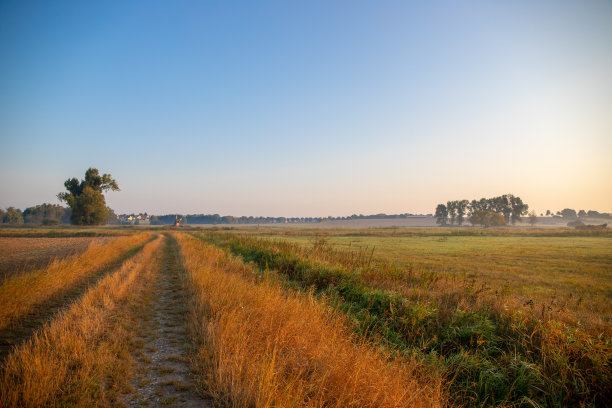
column 163, row 376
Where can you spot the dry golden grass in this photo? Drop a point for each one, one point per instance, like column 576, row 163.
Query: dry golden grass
column 21, row 294
column 498, row 349
column 19, row 255
column 82, row 356
column 262, row 346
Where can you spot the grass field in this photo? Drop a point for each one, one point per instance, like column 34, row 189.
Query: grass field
column 540, row 266
column 272, row 317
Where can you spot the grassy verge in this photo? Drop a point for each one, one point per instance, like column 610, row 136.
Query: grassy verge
column 21, row 294
column 494, row 356
column 261, row 345
column 81, row 358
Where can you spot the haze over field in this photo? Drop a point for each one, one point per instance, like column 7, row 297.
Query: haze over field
column 311, row 109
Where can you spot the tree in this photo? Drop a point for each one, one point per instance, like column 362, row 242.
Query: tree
column 89, row 208
column 503, row 205
column 548, row 213
column 451, row 209
column 582, row 213
column 461, row 207
column 480, row 205
column 518, row 208
column 487, row 219
column 1, row 216
column 13, row 216
column 441, row 214
column 568, row 213
column 85, row 198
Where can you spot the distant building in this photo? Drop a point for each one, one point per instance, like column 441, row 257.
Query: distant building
column 140, row 218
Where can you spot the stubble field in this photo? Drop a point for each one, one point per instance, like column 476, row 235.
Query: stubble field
column 307, row 318
column 23, row 254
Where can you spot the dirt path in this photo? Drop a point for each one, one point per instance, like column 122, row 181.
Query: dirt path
column 162, row 372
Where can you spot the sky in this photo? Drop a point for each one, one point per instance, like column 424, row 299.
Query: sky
column 317, row 108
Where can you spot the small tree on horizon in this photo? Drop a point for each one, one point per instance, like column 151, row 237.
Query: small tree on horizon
column 441, row 214
column 451, row 207
column 461, row 207
column 518, row 208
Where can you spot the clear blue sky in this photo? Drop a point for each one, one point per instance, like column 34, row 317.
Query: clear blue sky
column 308, row 108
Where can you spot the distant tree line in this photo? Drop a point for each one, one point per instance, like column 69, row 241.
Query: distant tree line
column 45, row 214
column 494, row 211
column 571, row 214
column 228, row 219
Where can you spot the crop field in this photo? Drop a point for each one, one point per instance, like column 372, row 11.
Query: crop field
column 310, row 317
column 22, row 254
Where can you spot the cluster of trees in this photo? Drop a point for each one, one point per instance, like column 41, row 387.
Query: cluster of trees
column 571, row 214
column 45, row 214
column 11, row 215
column 486, row 211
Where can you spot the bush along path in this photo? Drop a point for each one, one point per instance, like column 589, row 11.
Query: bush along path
column 162, row 345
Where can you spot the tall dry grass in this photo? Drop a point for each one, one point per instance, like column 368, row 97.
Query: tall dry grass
column 81, row 357
column 498, row 352
column 21, row 294
column 262, row 346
